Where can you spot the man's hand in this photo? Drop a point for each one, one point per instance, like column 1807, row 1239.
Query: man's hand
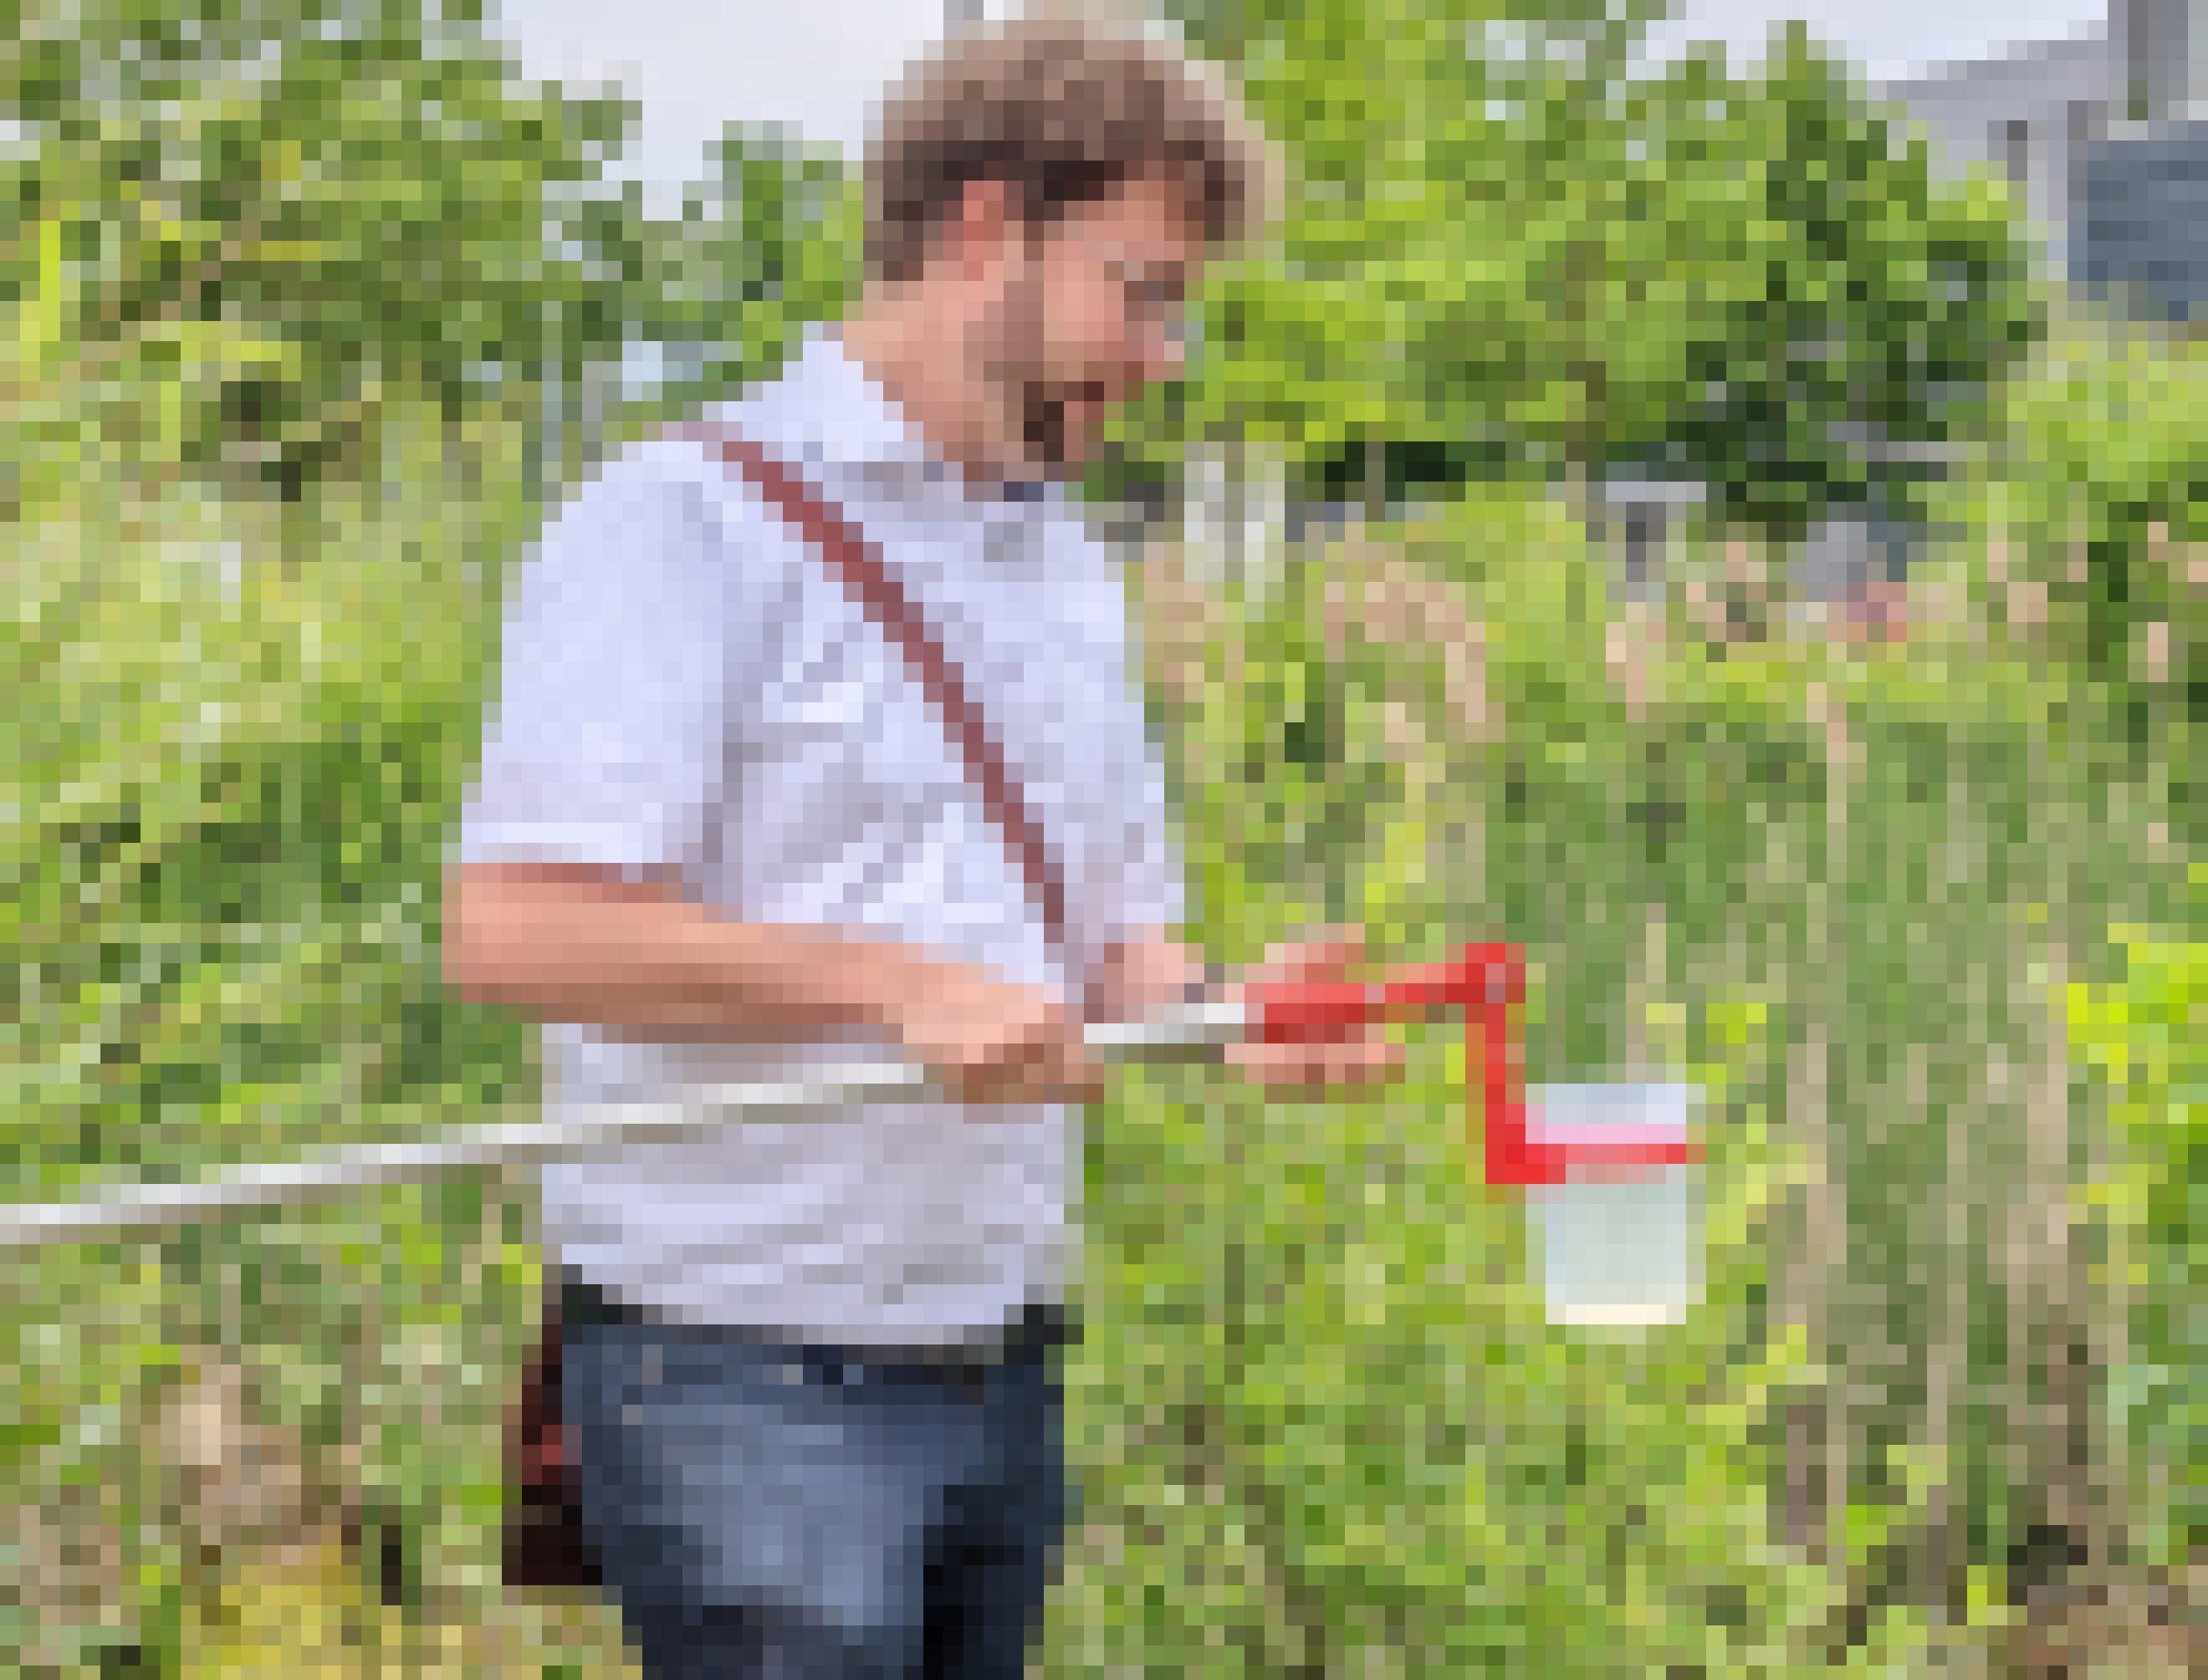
column 989, row 1041
column 1362, row 1058
column 986, row 1040
column 1152, row 973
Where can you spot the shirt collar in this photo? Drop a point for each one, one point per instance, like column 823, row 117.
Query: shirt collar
column 826, row 412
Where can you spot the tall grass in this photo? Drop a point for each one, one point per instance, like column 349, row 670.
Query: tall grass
column 1322, row 1424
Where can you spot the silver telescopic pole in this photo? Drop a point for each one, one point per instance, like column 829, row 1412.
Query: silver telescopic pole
column 125, row 1209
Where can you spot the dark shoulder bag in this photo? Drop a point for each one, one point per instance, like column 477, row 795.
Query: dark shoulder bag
column 544, row 1545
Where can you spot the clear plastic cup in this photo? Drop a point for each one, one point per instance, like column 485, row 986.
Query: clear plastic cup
column 1620, row 1245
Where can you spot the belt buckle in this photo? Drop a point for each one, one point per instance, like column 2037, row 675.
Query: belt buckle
column 965, row 1367
column 969, row 1365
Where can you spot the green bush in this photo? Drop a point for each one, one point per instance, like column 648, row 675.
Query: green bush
column 2146, row 1036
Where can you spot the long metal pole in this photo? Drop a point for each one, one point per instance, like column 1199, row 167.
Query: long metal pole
column 136, row 1208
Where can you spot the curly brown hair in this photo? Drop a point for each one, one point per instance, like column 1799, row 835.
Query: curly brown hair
column 1062, row 109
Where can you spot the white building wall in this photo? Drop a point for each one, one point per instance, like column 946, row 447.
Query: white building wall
column 2023, row 115
column 2031, row 112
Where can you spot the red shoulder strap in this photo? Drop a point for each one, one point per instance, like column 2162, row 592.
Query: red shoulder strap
column 857, row 565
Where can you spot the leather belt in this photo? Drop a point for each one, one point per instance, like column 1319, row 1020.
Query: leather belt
column 1035, row 1330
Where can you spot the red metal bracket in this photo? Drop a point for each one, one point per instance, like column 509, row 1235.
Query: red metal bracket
column 1487, row 982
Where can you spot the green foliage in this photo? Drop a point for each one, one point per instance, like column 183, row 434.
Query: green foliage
column 1323, row 1421
column 2146, row 1036
column 1325, row 1429
column 1323, row 1424
column 1499, row 243
column 224, row 898
column 233, row 793
column 769, row 244
column 2087, row 541
column 1873, row 853
column 1811, row 287
column 288, row 293
column 242, row 231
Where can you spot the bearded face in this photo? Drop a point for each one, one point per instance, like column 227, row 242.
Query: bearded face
column 1084, row 317
column 1040, row 377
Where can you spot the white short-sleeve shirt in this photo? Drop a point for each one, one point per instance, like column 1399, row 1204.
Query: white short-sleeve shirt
column 685, row 687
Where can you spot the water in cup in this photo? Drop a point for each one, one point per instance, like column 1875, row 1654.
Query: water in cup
column 1620, row 1247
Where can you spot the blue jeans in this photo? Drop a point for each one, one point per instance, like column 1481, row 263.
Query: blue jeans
column 763, row 1509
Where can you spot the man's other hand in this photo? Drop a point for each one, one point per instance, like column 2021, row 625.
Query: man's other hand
column 1362, row 1057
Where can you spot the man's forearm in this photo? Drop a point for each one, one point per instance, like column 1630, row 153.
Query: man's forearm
column 580, row 946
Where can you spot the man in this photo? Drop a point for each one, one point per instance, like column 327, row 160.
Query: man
column 720, row 834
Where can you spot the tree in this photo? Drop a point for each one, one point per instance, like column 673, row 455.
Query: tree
column 253, row 225
column 1504, row 245
column 767, row 243
column 1816, row 292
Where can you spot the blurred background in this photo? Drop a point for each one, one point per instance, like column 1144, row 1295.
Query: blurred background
column 1708, row 498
